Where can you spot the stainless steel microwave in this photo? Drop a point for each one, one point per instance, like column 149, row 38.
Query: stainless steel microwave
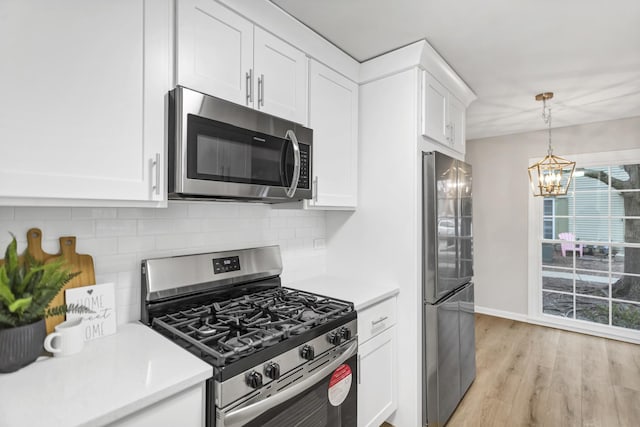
column 223, row 151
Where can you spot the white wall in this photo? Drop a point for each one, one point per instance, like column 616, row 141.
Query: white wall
column 119, row 238
column 379, row 243
column 501, row 196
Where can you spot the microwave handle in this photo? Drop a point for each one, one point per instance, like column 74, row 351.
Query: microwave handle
column 290, row 135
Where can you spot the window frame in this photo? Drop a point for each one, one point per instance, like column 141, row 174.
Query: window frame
column 536, row 239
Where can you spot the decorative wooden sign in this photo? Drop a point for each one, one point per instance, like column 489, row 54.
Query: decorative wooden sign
column 100, row 299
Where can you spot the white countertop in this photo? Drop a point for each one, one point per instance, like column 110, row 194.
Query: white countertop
column 361, row 294
column 112, row 377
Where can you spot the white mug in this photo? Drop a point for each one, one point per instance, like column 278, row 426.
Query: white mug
column 67, row 338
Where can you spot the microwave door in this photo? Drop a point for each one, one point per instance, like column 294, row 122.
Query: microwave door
column 290, row 163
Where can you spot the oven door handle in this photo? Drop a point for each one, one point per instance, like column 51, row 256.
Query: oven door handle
column 242, row 416
column 290, row 135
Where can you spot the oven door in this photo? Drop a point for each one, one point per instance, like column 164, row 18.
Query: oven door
column 327, row 398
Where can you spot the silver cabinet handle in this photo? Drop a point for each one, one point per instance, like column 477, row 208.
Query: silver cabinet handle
column 261, row 91
column 155, row 163
column 249, row 83
column 296, row 163
column 453, row 133
column 359, row 363
column 314, row 190
column 244, row 415
column 448, row 134
column 380, row 320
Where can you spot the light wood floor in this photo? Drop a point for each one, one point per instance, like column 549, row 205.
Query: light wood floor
column 530, row 375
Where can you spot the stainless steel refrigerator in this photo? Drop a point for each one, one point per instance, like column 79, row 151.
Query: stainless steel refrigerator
column 449, row 365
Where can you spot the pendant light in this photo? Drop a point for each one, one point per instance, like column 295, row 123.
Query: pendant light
column 552, row 175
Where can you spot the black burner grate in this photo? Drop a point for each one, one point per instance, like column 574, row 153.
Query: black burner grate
column 231, row 329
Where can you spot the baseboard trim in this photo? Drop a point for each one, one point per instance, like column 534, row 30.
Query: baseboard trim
column 501, row 313
column 549, row 324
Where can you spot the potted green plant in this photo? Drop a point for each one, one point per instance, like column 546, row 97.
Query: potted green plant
column 26, row 289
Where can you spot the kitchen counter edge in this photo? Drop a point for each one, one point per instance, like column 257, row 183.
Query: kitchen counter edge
column 362, row 295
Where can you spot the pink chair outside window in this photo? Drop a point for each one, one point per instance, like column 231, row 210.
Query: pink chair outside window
column 570, row 244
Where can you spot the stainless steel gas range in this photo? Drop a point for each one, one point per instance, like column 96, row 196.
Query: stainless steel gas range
column 281, row 357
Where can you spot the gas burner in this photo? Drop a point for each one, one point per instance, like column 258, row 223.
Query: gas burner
column 205, row 330
column 308, row 314
column 232, row 329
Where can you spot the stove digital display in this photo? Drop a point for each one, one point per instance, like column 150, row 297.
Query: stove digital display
column 225, row 265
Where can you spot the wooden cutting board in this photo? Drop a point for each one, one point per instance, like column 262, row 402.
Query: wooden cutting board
column 74, row 262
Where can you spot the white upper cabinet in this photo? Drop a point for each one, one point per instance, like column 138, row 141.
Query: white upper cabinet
column 457, row 114
column 333, row 116
column 82, row 111
column 443, row 115
column 220, row 53
column 435, row 123
column 215, row 50
column 280, row 77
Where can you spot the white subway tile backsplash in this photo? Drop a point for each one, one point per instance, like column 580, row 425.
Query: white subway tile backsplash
column 222, row 224
column 6, row 212
column 97, row 246
column 134, row 244
column 169, row 226
column 212, row 210
column 277, row 222
column 286, row 233
column 304, row 232
column 116, row 227
column 102, row 278
column 250, row 210
column 119, row 238
column 24, row 213
column 179, row 241
column 136, row 213
column 129, row 279
column 84, row 213
column 115, row 263
column 79, row 228
column 173, row 210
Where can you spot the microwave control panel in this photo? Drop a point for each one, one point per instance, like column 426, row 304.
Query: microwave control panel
column 303, row 182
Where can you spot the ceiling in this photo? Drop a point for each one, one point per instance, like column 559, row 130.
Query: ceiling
column 585, row 51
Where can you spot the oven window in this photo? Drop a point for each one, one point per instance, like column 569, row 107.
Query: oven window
column 312, row 408
column 222, row 152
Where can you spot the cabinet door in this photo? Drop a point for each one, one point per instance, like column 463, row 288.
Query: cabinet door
column 457, row 123
column 185, row 409
column 333, row 116
column 280, row 77
column 434, row 110
column 377, row 387
column 214, row 50
column 83, row 107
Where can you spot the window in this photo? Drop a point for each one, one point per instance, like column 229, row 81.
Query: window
column 548, row 227
column 589, row 269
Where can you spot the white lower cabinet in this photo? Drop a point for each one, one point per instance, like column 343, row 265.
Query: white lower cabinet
column 184, row 409
column 82, row 111
column 377, row 359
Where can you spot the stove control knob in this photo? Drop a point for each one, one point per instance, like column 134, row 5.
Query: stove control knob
column 334, row 337
column 307, row 352
column 254, row 379
column 272, row 370
column 345, row 333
